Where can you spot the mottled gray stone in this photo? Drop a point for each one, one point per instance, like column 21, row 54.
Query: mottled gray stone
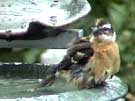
column 39, row 23
column 16, row 15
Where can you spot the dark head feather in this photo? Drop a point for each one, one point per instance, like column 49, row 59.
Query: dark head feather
column 101, row 26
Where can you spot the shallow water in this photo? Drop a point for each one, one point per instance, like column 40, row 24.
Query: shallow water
column 14, row 88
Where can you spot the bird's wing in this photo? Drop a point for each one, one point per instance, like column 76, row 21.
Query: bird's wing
column 79, row 51
column 72, row 61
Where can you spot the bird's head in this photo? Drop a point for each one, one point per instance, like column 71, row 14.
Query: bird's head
column 103, row 31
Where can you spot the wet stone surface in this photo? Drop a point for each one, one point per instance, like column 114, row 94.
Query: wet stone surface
column 16, row 88
column 22, row 90
column 17, row 81
column 17, row 14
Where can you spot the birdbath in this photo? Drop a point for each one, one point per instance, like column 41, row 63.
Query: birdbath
column 44, row 24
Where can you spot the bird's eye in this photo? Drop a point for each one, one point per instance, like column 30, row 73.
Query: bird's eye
column 98, row 32
column 106, row 29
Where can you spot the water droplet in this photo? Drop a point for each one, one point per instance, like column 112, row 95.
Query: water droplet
column 53, row 18
column 2, row 5
column 52, row 5
column 9, row 5
column 8, row 31
column 55, row 1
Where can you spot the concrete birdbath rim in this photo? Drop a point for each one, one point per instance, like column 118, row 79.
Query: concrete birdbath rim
column 113, row 90
column 16, row 15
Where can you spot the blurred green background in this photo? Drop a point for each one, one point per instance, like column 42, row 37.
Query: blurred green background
column 121, row 13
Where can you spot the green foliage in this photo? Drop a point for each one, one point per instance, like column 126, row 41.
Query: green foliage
column 32, row 55
column 117, row 15
column 24, row 55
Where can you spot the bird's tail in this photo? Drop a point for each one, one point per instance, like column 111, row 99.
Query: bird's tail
column 49, row 76
column 49, row 80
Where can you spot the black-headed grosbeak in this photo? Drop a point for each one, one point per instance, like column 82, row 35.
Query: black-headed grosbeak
column 89, row 60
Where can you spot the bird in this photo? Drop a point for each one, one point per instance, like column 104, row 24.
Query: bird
column 89, row 60
column 106, row 59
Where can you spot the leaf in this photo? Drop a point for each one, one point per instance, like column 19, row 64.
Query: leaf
column 118, row 15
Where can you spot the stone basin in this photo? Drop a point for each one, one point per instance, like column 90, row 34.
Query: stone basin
column 16, row 16
column 17, row 82
column 21, row 22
